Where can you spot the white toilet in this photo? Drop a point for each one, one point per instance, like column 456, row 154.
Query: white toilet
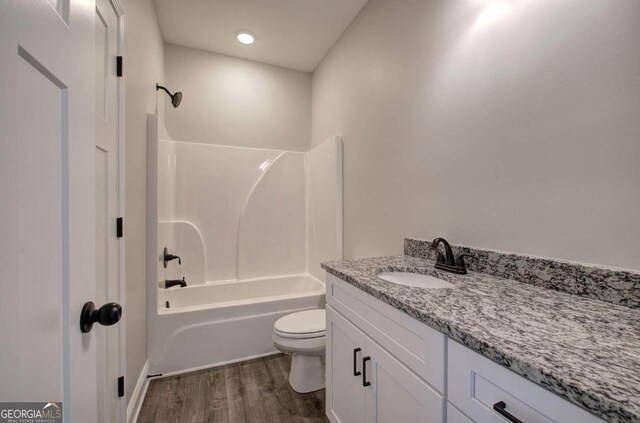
column 303, row 336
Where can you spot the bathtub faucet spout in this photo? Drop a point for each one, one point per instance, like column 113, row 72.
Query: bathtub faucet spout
column 169, row 283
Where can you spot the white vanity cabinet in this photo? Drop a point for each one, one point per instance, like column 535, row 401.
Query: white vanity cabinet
column 385, row 366
column 366, row 384
column 379, row 365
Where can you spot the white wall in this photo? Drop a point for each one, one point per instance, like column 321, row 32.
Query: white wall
column 237, row 102
column 143, row 66
column 504, row 124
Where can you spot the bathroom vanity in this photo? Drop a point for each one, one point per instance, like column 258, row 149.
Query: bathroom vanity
column 490, row 349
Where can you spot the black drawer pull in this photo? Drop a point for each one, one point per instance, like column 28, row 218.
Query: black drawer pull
column 364, row 371
column 500, row 408
column 355, row 360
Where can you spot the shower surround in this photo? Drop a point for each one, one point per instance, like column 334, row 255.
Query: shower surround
column 251, row 227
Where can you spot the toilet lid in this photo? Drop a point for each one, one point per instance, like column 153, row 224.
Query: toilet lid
column 309, row 321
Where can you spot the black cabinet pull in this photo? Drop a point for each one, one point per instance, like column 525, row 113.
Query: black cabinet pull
column 500, row 408
column 364, row 371
column 355, row 360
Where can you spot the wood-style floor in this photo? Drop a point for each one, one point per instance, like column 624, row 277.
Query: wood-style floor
column 255, row 391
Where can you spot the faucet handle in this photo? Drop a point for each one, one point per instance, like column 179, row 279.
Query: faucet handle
column 460, row 259
column 166, row 257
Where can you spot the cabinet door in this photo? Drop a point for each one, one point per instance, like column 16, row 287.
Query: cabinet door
column 345, row 393
column 395, row 393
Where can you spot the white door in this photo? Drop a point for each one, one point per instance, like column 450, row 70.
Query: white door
column 111, row 406
column 47, row 203
column 345, row 393
column 396, row 394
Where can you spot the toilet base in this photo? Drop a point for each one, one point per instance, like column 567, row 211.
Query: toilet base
column 306, row 373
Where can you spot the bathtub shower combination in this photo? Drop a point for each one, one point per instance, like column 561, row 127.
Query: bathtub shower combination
column 250, row 227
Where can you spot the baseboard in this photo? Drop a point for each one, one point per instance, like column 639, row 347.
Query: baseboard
column 221, row 363
column 137, row 398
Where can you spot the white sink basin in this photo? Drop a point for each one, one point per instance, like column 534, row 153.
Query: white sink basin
column 415, row 279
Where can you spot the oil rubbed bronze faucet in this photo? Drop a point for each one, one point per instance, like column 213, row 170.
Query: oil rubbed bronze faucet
column 448, row 262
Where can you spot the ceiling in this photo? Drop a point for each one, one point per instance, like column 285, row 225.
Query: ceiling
column 294, row 34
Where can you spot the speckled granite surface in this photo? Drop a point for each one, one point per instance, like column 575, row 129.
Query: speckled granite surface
column 614, row 286
column 584, row 350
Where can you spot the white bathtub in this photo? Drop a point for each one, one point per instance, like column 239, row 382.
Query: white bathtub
column 217, row 323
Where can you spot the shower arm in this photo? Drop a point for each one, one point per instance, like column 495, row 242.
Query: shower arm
column 160, row 87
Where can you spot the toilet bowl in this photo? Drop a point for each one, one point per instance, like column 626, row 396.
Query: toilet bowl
column 303, row 335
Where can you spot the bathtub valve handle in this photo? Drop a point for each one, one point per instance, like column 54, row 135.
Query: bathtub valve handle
column 166, row 257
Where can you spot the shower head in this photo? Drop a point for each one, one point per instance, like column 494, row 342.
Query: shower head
column 175, row 98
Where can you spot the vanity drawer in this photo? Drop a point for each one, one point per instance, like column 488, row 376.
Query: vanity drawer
column 477, row 384
column 416, row 345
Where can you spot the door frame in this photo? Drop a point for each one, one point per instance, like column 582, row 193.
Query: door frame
column 122, row 326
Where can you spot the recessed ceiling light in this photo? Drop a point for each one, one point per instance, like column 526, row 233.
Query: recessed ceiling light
column 245, row 37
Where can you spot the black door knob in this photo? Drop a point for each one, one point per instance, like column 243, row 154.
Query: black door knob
column 107, row 315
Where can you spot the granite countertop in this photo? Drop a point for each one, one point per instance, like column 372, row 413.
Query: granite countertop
column 584, row 350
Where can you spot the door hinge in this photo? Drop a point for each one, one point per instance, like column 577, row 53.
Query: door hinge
column 119, row 66
column 121, row 386
column 119, row 229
